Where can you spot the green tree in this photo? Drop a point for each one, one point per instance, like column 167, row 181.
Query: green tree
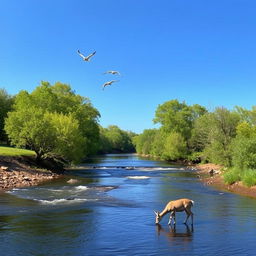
column 244, row 147
column 201, row 132
column 54, row 121
column 158, row 142
column 113, row 139
column 175, row 147
column 248, row 116
column 144, row 141
column 178, row 117
column 69, row 142
column 29, row 128
column 61, row 99
column 213, row 134
column 104, row 143
column 6, row 102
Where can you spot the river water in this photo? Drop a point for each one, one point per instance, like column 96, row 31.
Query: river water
column 109, row 211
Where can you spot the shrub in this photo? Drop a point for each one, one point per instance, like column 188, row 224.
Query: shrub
column 195, row 157
column 232, row 175
column 175, row 147
column 243, row 152
column 249, row 177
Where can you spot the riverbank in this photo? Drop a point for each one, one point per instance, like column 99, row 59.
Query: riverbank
column 22, row 171
column 211, row 174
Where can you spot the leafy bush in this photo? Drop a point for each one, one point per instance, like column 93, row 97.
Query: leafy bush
column 232, row 175
column 196, row 157
column 144, row 141
column 175, row 147
column 215, row 153
column 113, row 140
column 249, row 177
column 243, row 152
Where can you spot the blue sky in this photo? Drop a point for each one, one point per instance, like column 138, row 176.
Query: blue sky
column 197, row 51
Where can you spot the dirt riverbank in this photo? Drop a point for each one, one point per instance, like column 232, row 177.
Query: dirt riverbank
column 211, row 174
column 22, row 172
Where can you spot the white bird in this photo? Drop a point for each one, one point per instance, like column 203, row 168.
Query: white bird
column 86, row 58
column 113, row 72
column 109, row 83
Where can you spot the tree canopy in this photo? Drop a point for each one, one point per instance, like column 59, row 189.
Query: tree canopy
column 191, row 132
column 115, row 140
column 6, row 102
column 55, row 122
column 172, row 140
column 175, row 116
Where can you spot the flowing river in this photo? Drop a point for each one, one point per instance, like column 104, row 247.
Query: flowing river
column 109, row 211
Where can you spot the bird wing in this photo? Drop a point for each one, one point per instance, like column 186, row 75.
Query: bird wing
column 80, row 54
column 115, row 72
column 104, row 85
column 113, row 81
column 90, row 55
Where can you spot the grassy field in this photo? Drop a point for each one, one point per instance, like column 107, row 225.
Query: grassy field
column 9, row 151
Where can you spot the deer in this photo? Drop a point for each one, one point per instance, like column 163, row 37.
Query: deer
column 172, row 207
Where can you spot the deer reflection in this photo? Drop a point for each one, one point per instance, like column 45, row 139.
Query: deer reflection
column 172, row 233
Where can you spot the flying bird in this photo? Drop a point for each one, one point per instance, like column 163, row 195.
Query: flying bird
column 108, row 83
column 113, row 72
column 86, row 58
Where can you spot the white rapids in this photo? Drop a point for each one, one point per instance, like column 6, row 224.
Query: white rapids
column 138, row 177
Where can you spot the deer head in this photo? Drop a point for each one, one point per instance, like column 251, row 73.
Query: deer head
column 158, row 217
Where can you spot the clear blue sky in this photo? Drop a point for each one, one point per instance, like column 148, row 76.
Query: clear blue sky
column 196, row 51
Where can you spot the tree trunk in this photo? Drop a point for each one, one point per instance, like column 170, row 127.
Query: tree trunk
column 38, row 156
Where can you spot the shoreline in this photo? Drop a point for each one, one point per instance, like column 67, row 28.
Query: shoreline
column 18, row 172
column 216, row 180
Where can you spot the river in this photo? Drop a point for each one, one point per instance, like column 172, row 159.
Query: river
column 109, row 211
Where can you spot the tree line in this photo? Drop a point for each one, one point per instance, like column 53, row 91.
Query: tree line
column 191, row 133
column 57, row 124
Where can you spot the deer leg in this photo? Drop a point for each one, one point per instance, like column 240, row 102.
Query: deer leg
column 174, row 217
column 171, row 216
column 189, row 213
column 192, row 218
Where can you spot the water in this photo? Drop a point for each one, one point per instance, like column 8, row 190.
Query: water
column 109, row 211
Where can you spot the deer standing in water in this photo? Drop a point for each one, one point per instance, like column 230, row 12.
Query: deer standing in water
column 172, row 207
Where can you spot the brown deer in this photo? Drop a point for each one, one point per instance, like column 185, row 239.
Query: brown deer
column 172, row 207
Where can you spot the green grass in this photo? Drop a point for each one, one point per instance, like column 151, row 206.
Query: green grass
column 247, row 176
column 9, row 151
column 232, row 175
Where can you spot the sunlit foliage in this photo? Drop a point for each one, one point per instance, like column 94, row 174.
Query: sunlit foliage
column 55, row 122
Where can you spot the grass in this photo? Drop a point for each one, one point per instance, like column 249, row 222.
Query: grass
column 232, row 175
column 248, row 176
column 9, row 151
